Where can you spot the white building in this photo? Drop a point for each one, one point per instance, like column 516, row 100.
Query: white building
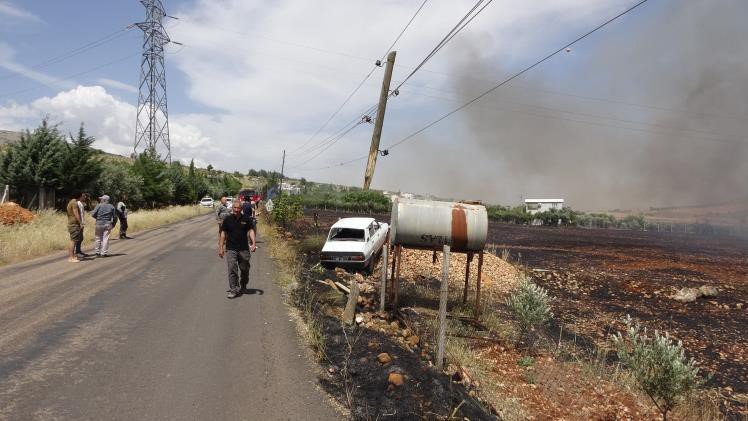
column 290, row 188
column 533, row 206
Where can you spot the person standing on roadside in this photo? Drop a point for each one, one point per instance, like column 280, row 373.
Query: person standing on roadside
column 222, row 211
column 82, row 211
column 74, row 225
column 236, row 242
column 105, row 216
column 122, row 215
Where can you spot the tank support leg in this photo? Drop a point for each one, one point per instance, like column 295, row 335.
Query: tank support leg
column 477, row 291
column 468, row 261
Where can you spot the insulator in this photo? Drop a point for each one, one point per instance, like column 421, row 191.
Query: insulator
column 396, row 92
column 379, row 63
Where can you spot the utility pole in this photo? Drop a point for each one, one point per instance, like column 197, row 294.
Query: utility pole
column 152, row 121
column 283, row 166
column 374, row 149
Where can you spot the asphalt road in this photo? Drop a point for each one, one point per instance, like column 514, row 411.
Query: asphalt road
column 149, row 334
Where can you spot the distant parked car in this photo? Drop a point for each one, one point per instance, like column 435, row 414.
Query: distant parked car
column 354, row 243
column 207, row 202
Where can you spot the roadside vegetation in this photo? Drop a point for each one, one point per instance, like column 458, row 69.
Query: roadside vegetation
column 47, row 159
column 47, row 231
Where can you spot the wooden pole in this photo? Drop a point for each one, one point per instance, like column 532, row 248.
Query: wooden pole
column 477, row 291
column 383, row 95
column 383, row 283
column 443, row 295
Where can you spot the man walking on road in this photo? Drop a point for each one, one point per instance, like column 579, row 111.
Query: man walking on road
column 122, row 215
column 236, row 241
column 82, row 212
column 105, row 216
column 74, row 226
column 222, row 211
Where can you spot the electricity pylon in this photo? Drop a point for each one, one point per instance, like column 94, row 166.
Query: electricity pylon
column 152, row 123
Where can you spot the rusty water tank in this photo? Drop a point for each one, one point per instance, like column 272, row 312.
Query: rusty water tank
column 427, row 224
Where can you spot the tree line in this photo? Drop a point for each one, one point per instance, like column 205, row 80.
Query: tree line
column 45, row 159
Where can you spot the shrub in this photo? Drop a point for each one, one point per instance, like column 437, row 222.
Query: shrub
column 286, row 208
column 658, row 364
column 529, row 306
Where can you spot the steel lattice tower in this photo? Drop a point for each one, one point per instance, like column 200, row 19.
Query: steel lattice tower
column 152, row 125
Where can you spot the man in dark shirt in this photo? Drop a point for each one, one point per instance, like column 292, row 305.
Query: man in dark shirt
column 237, row 232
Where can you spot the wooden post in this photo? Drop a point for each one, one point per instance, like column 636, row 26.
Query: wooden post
column 377, row 134
column 433, row 258
column 443, row 295
column 383, row 283
column 467, row 277
column 477, row 291
column 349, row 314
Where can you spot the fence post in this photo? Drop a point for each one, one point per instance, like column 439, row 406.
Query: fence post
column 5, row 194
column 383, row 283
column 443, row 295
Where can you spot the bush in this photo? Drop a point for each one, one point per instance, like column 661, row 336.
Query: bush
column 286, row 208
column 529, row 306
column 659, row 366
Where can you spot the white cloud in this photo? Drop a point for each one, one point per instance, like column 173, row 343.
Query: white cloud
column 9, row 10
column 108, row 119
column 117, row 85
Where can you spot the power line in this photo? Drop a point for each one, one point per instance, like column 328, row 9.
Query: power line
column 71, row 76
column 72, row 53
column 514, row 76
column 355, row 90
column 461, row 24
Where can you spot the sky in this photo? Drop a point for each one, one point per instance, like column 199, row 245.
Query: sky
column 651, row 110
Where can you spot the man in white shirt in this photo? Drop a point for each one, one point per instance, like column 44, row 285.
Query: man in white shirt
column 81, row 210
column 122, row 215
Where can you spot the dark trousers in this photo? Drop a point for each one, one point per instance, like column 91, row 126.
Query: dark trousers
column 122, row 227
column 238, row 265
column 79, row 243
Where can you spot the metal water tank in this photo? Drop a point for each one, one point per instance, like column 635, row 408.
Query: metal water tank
column 429, row 225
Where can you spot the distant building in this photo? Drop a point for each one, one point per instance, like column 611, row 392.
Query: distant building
column 290, row 188
column 533, row 206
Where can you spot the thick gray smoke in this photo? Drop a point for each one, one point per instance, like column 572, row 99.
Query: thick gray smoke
column 684, row 64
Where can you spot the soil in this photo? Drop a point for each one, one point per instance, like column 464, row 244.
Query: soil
column 595, row 276
column 598, row 276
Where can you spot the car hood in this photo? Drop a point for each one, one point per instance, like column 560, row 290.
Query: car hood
column 344, row 246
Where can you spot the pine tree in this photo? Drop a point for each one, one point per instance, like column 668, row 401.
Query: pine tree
column 80, row 167
column 157, row 187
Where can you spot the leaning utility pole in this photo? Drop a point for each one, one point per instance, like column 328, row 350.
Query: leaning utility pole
column 152, row 121
column 374, row 149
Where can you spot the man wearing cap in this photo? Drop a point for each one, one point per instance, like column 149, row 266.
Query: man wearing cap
column 106, row 217
column 237, row 232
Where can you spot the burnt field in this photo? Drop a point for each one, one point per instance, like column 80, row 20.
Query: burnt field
column 598, row 276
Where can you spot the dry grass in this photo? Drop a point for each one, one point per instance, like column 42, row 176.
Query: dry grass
column 48, row 231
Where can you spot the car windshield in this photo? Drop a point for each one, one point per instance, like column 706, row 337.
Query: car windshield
column 347, row 234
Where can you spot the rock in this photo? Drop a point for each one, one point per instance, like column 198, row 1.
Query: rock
column 739, row 306
column 413, row 340
column 359, row 319
column 384, row 358
column 708, row 291
column 394, row 325
column 687, row 295
column 396, row 379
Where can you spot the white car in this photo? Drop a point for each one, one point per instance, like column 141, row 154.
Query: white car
column 354, row 243
column 207, row 202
